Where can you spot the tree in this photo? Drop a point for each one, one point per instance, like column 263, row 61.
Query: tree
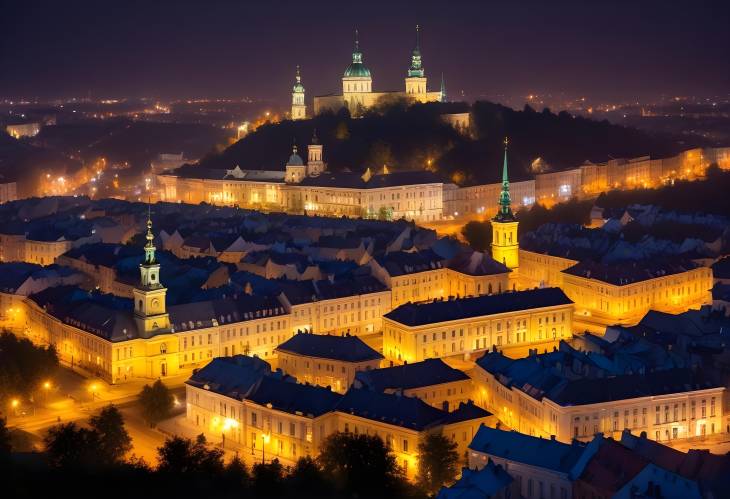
column 268, row 479
column 380, row 155
column 114, row 441
column 182, row 455
column 359, row 463
column 307, row 479
column 70, row 446
column 23, row 365
column 5, row 440
column 156, row 402
column 478, row 235
column 437, row 461
column 236, row 473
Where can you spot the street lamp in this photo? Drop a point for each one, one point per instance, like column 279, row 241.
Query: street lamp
column 46, row 388
column 265, row 437
column 14, row 404
column 93, row 388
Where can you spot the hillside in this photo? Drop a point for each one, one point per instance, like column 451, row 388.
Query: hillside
column 407, row 137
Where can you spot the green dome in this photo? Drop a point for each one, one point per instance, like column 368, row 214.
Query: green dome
column 357, row 70
column 298, row 88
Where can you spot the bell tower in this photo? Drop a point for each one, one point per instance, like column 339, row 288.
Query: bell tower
column 150, row 312
column 298, row 108
column 416, row 79
column 505, row 247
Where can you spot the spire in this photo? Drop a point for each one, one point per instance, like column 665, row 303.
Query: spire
column 416, row 69
column 356, row 54
column 505, row 209
column 315, row 139
column 149, row 247
column 299, row 77
column 443, row 88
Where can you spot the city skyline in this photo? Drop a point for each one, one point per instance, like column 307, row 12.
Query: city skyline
column 618, row 52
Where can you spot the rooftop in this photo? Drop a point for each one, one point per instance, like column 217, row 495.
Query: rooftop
column 408, row 376
column 342, row 348
column 419, row 314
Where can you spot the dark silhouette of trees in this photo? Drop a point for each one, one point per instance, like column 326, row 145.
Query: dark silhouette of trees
column 23, row 366
column 180, row 456
column 156, row 402
column 307, row 479
column 71, row 446
column 360, row 464
column 268, row 479
column 478, row 235
column 5, row 440
column 437, row 461
column 113, row 440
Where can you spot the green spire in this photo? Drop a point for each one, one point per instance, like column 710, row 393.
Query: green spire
column 416, row 68
column 443, row 89
column 356, row 54
column 505, row 205
column 149, row 247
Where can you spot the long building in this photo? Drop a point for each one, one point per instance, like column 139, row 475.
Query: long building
column 552, row 395
column 442, row 328
column 240, row 399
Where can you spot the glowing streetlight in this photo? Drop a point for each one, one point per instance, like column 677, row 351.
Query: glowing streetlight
column 265, row 437
column 93, row 388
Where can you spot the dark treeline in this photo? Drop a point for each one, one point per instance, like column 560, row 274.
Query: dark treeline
column 23, row 367
column 93, row 460
column 406, row 137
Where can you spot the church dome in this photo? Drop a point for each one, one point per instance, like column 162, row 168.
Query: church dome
column 357, row 69
column 295, row 159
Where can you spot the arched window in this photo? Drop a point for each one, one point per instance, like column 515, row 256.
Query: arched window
column 489, row 288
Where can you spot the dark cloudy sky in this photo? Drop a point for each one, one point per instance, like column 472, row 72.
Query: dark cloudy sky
column 602, row 49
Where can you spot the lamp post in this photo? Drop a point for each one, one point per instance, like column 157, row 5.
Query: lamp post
column 14, row 404
column 264, row 440
column 46, row 388
column 92, row 390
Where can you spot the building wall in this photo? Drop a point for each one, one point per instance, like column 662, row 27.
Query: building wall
column 444, row 396
column 289, row 436
column 532, row 481
column 461, row 285
column 544, row 418
column 419, row 286
column 357, row 314
column 551, row 188
column 468, row 336
column 336, row 374
column 8, row 192
column 481, row 200
column 605, row 303
column 539, row 270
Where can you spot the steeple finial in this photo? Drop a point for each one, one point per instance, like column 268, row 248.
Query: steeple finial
column 315, row 139
column 149, row 247
column 505, row 204
column 443, row 88
column 299, row 76
column 418, row 37
column 357, row 41
column 416, row 68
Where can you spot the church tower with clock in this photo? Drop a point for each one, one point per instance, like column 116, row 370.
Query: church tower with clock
column 149, row 296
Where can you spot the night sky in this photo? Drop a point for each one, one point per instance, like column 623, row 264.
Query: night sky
column 172, row 49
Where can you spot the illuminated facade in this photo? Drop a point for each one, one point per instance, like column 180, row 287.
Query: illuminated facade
column 667, row 405
column 307, row 188
column 357, row 85
column 298, row 108
column 466, row 326
column 623, row 294
column 505, row 246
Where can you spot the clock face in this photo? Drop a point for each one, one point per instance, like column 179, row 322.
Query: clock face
column 155, row 302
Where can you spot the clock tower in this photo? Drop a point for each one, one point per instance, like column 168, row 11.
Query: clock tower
column 505, row 247
column 149, row 296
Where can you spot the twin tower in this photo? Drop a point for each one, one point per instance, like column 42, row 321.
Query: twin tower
column 357, row 86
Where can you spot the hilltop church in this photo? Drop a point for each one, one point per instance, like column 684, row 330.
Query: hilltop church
column 357, row 87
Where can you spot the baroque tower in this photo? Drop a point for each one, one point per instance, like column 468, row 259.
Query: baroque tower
column 298, row 108
column 416, row 79
column 315, row 162
column 505, row 247
column 356, row 81
column 149, row 296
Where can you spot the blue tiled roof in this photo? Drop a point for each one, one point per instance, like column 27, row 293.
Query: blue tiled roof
column 14, row 274
column 418, row 314
column 342, row 348
column 539, row 452
column 419, row 374
column 294, row 398
column 231, row 376
column 484, row 483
